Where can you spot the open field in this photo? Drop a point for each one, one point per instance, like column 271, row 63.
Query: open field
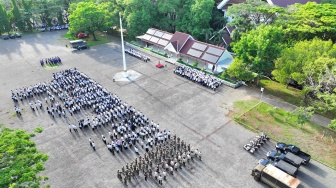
column 318, row 141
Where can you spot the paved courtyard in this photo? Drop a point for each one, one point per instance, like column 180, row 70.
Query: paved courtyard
column 195, row 113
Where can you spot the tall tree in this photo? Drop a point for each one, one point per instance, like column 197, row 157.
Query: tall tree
column 89, row 17
column 251, row 14
column 17, row 17
column 139, row 16
column 167, row 14
column 304, row 22
column 4, row 20
column 201, row 12
column 304, row 60
column 20, row 161
column 258, row 48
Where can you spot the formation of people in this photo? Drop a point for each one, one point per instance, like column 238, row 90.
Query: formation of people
column 198, row 77
column 70, row 90
column 137, row 54
column 164, row 157
column 51, row 61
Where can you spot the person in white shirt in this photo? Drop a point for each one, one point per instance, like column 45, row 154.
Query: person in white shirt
column 136, row 150
column 93, row 146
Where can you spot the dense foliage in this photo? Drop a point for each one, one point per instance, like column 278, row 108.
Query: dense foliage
column 20, row 161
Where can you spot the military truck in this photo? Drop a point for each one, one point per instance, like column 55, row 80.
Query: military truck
column 282, row 165
column 274, row 177
column 288, row 157
column 285, row 148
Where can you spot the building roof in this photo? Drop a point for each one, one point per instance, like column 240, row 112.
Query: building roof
column 155, row 36
column 286, row 3
column 203, row 51
column 226, row 3
column 180, row 39
column 185, row 44
column 226, row 36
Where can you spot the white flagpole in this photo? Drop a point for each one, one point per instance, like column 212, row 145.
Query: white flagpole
column 122, row 44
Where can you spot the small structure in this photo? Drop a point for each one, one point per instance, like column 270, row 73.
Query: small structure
column 76, row 43
column 183, row 46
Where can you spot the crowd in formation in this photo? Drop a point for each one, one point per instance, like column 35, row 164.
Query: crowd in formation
column 51, row 61
column 199, row 77
column 164, row 157
column 129, row 129
column 137, row 54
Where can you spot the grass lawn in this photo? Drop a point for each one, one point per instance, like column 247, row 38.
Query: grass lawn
column 290, row 95
column 50, row 66
column 314, row 139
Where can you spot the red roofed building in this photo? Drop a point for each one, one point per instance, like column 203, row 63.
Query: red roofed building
column 182, row 45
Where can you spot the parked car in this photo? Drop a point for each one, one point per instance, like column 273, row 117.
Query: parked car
column 284, row 148
column 43, row 29
column 5, row 37
column 82, row 47
column 82, row 35
column 12, row 36
column 18, row 35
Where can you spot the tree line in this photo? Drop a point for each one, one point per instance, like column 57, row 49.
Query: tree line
column 199, row 18
column 291, row 45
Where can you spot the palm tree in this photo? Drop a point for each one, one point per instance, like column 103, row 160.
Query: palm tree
column 207, row 33
column 216, row 39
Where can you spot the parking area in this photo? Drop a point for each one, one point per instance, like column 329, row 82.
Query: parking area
column 195, row 113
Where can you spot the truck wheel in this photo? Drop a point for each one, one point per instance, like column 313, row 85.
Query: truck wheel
column 256, row 178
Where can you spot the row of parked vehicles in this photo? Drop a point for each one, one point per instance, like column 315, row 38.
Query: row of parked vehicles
column 53, row 28
column 11, row 36
column 281, row 166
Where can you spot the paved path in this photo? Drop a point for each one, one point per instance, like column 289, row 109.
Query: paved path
column 197, row 114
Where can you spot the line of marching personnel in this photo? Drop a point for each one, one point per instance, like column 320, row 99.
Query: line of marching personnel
column 137, row 54
column 51, row 61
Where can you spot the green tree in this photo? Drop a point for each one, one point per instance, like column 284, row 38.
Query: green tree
column 303, row 115
column 332, row 125
column 251, row 14
column 300, row 62
column 201, row 12
column 20, row 161
column 239, row 70
column 167, row 14
column 139, row 16
column 258, row 49
column 17, row 17
column 207, row 34
column 328, row 1
column 4, row 20
column 89, row 17
column 305, row 22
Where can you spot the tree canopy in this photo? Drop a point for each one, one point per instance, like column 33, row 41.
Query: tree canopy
column 309, row 21
column 89, row 17
column 258, row 48
column 4, row 20
column 20, row 161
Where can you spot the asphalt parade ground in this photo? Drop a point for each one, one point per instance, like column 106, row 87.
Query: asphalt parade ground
column 196, row 114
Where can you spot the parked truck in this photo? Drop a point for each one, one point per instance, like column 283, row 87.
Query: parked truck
column 282, row 165
column 274, row 177
column 284, row 148
column 288, row 157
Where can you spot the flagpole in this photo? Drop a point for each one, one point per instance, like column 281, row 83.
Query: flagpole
column 122, row 44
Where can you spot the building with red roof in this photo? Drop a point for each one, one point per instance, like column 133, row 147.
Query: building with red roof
column 182, row 45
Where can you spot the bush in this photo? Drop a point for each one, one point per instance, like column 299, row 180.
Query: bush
column 223, row 75
column 195, row 63
column 332, row 125
column 38, row 129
